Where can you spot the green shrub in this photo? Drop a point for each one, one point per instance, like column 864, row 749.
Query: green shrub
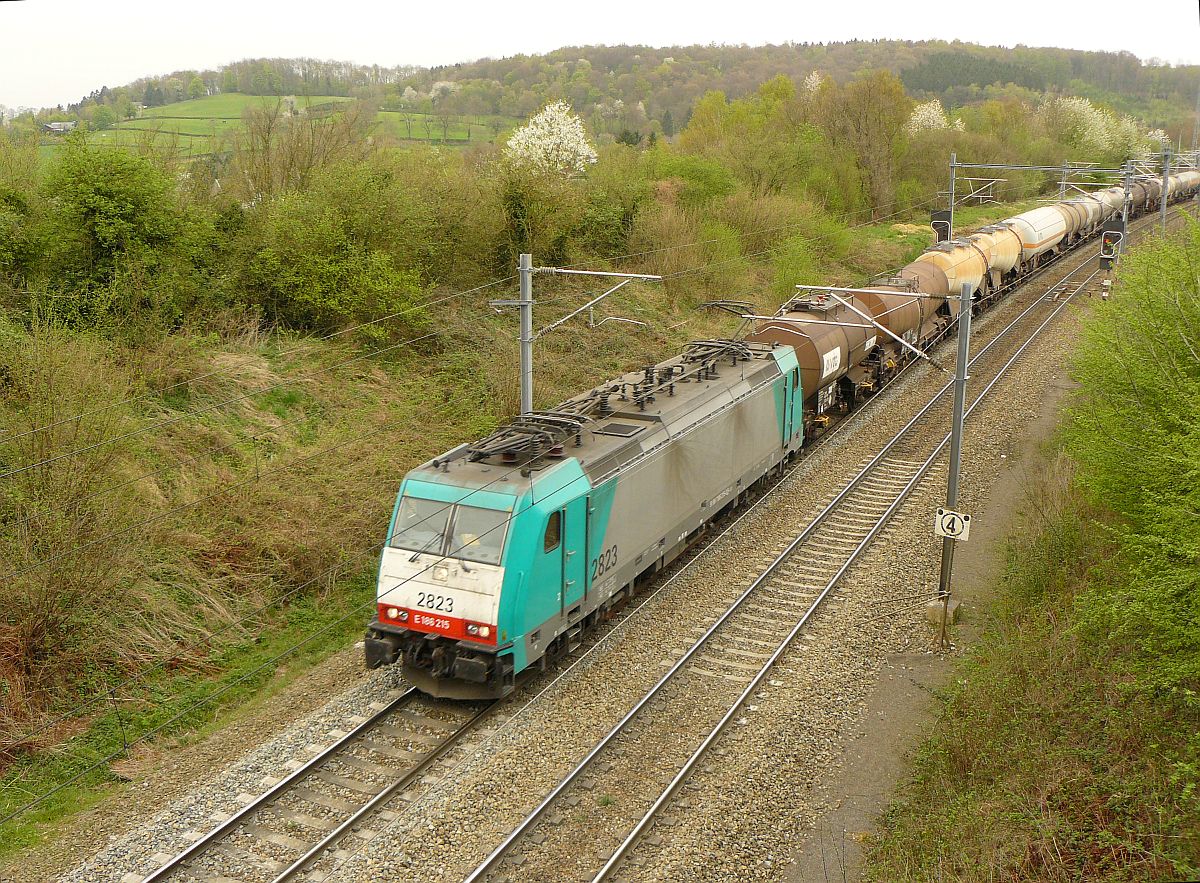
column 318, row 269
column 108, row 207
column 1136, row 435
column 803, row 258
column 701, row 180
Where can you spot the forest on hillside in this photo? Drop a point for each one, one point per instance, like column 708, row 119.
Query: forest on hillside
column 644, row 89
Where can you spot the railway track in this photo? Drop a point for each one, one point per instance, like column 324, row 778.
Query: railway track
column 329, row 807
column 388, row 758
column 653, row 749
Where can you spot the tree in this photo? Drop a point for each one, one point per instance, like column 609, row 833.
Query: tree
column 758, row 137
column 444, row 108
column 153, row 96
column 103, row 117
column 335, row 253
column 867, row 117
column 668, row 124
column 196, row 88
column 426, row 110
column 552, row 141
column 111, row 209
column 275, row 152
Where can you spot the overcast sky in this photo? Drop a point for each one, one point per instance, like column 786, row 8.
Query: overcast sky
column 56, row 51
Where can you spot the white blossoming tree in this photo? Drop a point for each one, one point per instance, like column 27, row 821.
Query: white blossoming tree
column 553, row 141
column 1158, row 139
column 926, row 117
column 813, row 82
column 1080, row 124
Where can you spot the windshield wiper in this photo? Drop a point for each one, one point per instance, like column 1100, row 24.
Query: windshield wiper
column 417, row 554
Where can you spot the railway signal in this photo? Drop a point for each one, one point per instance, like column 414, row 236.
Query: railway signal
column 1110, row 243
column 940, row 222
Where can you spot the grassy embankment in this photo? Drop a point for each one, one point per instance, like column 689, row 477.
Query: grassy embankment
column 1068, row 747
column 268, row 468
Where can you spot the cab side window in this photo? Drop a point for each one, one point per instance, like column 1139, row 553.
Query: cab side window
column 553, row 533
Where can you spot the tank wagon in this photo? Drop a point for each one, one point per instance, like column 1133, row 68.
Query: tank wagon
column 502, row 552
column 841, row 365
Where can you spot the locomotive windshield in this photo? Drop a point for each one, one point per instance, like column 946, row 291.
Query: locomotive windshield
column 421, row 525
column 455, row 531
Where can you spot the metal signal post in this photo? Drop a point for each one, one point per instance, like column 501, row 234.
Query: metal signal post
column 525, row 268
column 1162, row 202
column 526, row 271
column 956, row 432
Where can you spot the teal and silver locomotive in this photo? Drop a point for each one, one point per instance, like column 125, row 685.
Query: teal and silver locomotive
column 504, row 551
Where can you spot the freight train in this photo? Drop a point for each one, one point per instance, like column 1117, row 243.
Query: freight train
column 504, row 551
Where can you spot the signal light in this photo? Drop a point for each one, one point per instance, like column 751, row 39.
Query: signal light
column 1110, row 243
column 940, row 222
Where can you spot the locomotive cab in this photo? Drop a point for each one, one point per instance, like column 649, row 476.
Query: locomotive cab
column 438, row 598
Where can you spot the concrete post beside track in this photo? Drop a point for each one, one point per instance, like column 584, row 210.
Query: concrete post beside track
column 953, row 165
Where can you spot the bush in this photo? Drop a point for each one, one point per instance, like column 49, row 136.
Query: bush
column 113, row 249
column 803, row 258
column 1136, row 435
column 701, row 180
column 328, row 257
column 108, row 207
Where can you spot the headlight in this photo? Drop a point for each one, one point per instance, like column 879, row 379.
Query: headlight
column 472, row 629
column 393, row 613
column 484, row 631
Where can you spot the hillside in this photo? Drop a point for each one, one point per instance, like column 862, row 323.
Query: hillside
column 643, row 88
column 668, row 81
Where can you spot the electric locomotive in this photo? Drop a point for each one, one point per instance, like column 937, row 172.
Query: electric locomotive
column 502, row 552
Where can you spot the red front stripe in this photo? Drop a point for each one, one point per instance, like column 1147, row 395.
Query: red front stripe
column 435, row 623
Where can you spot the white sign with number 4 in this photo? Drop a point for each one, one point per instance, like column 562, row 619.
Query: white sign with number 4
column 951, row 524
